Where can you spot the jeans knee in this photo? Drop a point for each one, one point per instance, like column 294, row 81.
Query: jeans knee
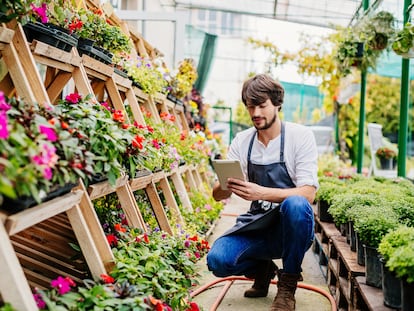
column 218, row 264
column 296, row 208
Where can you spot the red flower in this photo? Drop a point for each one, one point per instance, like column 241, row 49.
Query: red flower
column 137, row 142
column 107, row 279
column 146, row 239
column 119, row 228
column 118, row 115
column 193, row 307
column 112, row 240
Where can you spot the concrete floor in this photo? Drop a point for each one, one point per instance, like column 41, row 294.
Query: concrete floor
column 306, row 300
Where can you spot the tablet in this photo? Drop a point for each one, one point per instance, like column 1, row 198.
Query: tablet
column 227, row 169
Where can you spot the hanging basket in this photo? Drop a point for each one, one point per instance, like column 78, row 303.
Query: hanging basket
column 409, row 54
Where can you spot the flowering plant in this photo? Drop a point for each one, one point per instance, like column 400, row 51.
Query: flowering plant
column 102, row 295
column 100, row 129
column 386, row 153
column 143, row 72
column 180, row 82
column 95, row 27
column 37, row 150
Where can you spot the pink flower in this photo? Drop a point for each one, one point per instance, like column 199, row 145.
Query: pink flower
column 3, row 104
column 61, row 284
column 39, row 301
column 41, row 12
column 73, row 98
column 48, row 132
column 4, row 132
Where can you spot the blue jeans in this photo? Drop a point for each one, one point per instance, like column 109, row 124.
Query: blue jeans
column 289, row 239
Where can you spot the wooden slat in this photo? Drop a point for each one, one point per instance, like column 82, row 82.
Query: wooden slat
column 20, row 221
column 95, row 229
column 157, row 207
column 48, row 52
column 6, row 35
column 103, row 188
column 181, row 190
column 130, row 207
column 140, row 183
column 86, row 242
column 170, row 200
column 13, row 286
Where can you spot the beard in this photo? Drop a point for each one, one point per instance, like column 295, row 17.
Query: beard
column 266, row 125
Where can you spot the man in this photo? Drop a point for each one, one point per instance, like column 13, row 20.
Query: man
column 279, row 160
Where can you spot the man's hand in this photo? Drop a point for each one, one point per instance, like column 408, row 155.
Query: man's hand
column 246, row 190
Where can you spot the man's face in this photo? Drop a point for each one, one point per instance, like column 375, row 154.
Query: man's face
column 263, row 115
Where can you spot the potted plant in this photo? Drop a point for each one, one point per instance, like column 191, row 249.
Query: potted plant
column 39, row 155
column 387, row 157
column 377, row 29
column 396, row 248
column 100, row 128
column 403, row 42
column 146, row 75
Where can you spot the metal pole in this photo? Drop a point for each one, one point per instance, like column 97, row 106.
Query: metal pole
column 405, row 89
column 361, row 130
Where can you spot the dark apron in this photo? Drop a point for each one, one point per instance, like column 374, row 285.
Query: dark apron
column 262, row 214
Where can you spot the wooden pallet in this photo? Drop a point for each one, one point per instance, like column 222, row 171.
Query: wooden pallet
column 345, row 277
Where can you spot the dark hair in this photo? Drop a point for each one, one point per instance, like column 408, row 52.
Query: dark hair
column 260, row 88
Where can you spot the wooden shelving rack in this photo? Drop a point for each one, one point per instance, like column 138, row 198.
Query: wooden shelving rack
column 344, row 276
column 35, row 244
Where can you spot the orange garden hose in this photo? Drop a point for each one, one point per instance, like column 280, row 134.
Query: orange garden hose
column 230, row 280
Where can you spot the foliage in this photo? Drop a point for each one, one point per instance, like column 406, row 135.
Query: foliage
column 66, row 295
column 160, row 264
column 95, row 26
column 205, row 211
column 377, row 29
column 38, row 150
column 331, row 165
column 372, row 222
column 146, row 74
column 13, row 9
column 397, row 249
column 100, row 127
column 403, row 41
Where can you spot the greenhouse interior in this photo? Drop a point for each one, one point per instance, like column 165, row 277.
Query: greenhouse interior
column 114, row 115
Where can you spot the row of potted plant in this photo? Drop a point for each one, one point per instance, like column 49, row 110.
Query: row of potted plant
column 366, row 209
column 42, row 147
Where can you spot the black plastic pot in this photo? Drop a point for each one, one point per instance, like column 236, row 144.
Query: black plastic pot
column 98, row 53
column 407, row 296
column 25, row 202
column 373, row 275
column 391, row 287
column 323, row 213
column 52, row 36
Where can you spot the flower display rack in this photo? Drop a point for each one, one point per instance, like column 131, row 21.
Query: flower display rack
column 345, row 277
column 30, row 242
column 36, row 242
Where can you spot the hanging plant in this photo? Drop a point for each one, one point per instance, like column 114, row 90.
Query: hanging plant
column 403, row 42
